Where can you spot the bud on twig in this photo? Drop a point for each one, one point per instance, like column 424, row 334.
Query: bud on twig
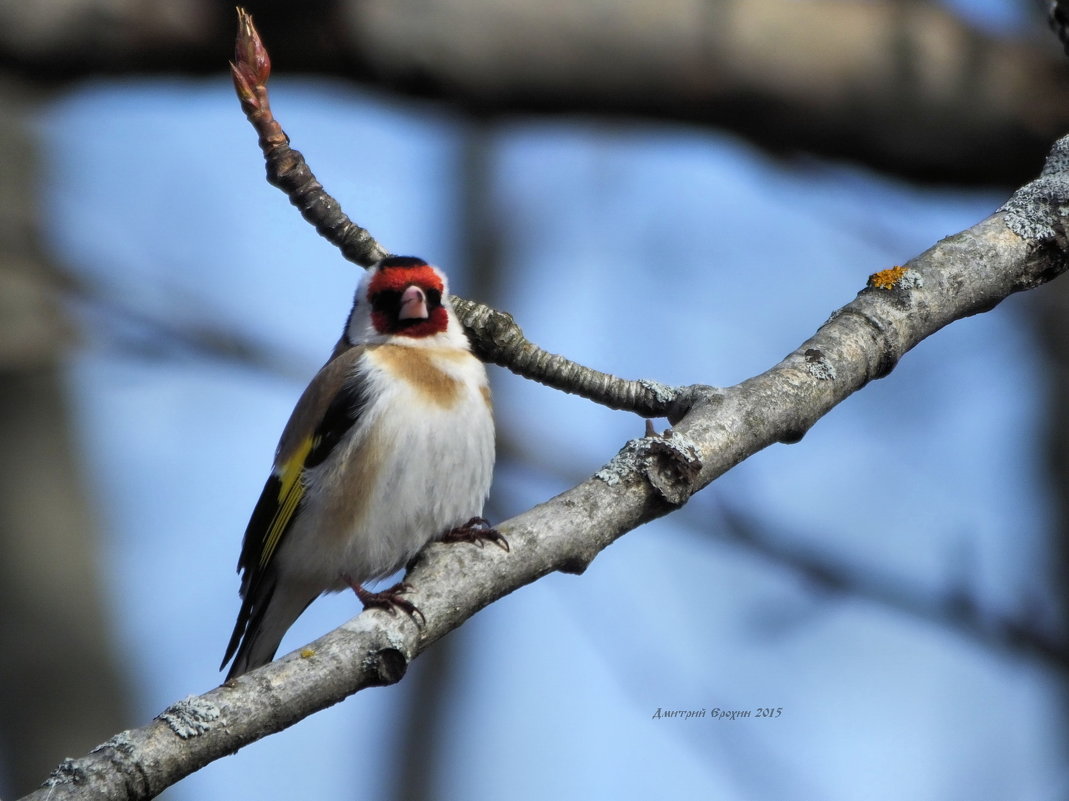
column 251, row 67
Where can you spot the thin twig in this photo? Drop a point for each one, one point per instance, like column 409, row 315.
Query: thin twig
column 495, row 336
column 286, row 167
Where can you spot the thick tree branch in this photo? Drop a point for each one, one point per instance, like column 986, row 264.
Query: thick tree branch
column 1020, row 247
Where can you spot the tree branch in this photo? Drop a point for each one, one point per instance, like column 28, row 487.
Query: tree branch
column 956, row 607
column 286, row 168
column 904, row 87
column 495, row 336
column 1020, row 247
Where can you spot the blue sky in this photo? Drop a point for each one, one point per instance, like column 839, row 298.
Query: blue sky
column 648, row 251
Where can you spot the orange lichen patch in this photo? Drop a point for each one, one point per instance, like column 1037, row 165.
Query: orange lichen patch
column 886, row 279
column 307, row 653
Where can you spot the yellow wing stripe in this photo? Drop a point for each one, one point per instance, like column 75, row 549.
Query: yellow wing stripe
column 289, row 495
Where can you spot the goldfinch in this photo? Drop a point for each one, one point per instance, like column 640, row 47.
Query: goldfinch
column 390, row 446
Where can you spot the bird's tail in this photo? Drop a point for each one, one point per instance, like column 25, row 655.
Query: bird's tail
column 267, row 612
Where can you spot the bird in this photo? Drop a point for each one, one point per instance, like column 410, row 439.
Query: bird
column 390, row 446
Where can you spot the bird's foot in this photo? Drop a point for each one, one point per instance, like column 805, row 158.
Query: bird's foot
column 477, row 530
column 389, row 599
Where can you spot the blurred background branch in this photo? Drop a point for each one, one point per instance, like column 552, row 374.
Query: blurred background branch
column 48, row 534
column 904, row 86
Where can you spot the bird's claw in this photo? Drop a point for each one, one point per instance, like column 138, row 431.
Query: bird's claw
column 390, row 601
column 477, row 531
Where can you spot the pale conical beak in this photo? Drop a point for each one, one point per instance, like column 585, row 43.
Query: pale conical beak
column 413, row 305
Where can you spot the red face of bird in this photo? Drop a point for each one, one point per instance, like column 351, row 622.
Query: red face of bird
column 405, row 295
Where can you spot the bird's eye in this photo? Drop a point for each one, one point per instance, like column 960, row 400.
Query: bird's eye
column 387, row 300
column 434, row 298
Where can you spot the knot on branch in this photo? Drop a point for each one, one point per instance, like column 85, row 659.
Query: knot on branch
column 669, row 463
column 385, row 667
column 690, row 397
column 881, row 334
